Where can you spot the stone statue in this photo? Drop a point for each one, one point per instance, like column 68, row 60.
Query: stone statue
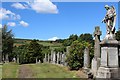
column 110, row 20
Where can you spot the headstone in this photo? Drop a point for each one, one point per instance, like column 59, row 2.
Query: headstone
column 86, row 58
column 6, row 58
column 96, row 59
column 63, row 59
column 45, row 59
column 58, row 58
column 36, row 61
column 18, row 59
column 54, row 56
column 48, row 58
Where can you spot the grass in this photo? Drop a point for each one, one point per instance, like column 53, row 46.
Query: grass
column 52, row 71
column 0, row 71
column 10, row 70
column 44, row 70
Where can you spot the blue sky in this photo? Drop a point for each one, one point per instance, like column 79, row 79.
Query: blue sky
column 65, row 19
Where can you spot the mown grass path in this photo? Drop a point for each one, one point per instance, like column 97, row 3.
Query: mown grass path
column 42, row 70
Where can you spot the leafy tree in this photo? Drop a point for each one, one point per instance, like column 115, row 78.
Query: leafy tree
column 34, row 51
column 7, row 43
column 68, row 42
column 86, row 37
column 118, row 35
column 75, row 56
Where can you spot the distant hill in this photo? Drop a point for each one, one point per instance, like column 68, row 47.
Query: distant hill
column 52, row 44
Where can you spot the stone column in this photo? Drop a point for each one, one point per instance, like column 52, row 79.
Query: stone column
column 86, row 58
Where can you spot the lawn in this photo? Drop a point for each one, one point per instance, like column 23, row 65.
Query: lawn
column 45, row 70
column 10, row 70
column 0, row 71
column 52, row 71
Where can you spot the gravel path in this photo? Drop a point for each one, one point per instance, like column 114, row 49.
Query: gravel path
column 25, row 72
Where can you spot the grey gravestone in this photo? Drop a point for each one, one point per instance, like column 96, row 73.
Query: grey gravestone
column 48, row 58
column 45, row 58
column 58, row 58
column 86, row 58
column 54, row 56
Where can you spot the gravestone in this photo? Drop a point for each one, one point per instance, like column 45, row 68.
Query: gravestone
column 45, row 58
column 86, row 58
column 54, row 56
column 96, row 59
column 58, row 58
column 63, row 59
column 18, row 59
column 48, row 58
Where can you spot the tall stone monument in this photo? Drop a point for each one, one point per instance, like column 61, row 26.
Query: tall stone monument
column 96, row 59
column 109, row 64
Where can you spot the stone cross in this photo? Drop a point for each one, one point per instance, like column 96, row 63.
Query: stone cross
column 97, row 34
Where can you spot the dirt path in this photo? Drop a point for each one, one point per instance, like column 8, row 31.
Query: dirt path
column 25, row 72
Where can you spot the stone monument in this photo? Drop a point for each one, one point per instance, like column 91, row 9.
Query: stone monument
column 109, row 64
column 86, row 58
column 96, row 59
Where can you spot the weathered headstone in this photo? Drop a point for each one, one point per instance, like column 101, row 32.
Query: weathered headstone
column 48, row 58
column 54, row 56
column 45, row 58
column 86, row 58
column 58, row 58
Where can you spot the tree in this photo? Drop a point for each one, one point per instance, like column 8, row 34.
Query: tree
column 86, row 37
column 34, row 51
column 7, row 43
column 68, row 42
column 75, row 56
column 118, row 35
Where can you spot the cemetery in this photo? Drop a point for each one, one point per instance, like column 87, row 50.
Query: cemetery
column 69, row 58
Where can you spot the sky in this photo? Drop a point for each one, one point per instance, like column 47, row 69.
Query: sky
column 46, row 20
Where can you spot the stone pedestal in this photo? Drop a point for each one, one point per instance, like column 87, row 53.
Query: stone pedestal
column 95, row 66
column 109, row 66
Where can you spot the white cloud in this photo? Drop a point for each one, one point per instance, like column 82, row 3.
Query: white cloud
column 25, row 24
column 11, row 24
column 53, row 38
column 0, row 25
column 19, row 6
column 8, row 15
column 44, row 6
column 40, row 6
